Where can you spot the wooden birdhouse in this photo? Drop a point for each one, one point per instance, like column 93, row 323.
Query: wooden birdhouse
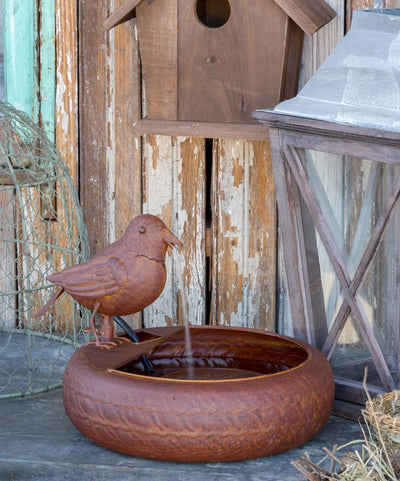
column 216, row 61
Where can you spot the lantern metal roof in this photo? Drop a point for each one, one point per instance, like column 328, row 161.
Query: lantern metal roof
column 359, row 83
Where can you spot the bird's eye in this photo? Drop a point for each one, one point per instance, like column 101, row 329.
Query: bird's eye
column 142, row 229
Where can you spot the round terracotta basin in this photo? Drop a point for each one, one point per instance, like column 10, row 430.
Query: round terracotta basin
column 252, row 394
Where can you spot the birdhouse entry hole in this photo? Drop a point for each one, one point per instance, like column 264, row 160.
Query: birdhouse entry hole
column 213, row 13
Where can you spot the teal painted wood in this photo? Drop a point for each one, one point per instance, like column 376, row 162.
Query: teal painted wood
column 19, row 53
column 29, row 59
column 47, row 67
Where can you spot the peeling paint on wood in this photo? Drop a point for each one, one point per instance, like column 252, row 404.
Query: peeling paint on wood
column 244, row 236
column 174, row 190
column 127, row 183
column 93, row 95
column 128, row 168
column 110, row 140
column 66, row 101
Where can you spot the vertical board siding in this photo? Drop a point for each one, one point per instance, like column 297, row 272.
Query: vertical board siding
column 7, row 255
column 173, row 189
column 66, row 100
column 128, row 168
column 127, row 188
column 66, row 133
column 244, row 235
column 110, row 156
column 19, row 53
column 319, row 46
column 93, row 95
column 47, row 66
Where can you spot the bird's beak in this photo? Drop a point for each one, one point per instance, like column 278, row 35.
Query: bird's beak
column 171, row 240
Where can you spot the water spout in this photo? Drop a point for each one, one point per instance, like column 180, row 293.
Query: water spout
column 185, row 315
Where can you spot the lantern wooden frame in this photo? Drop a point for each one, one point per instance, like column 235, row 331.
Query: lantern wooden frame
column 299, row 210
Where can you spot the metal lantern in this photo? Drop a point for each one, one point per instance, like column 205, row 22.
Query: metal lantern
column 41, row 231
column 336, row 155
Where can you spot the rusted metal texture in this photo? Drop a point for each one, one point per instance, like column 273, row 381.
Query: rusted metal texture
column 122, row 278
column 285, row 403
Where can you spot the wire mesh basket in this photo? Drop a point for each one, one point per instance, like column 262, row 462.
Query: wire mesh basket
column 41, row 232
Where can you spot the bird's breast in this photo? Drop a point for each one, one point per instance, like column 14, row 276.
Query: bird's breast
column 145, row 282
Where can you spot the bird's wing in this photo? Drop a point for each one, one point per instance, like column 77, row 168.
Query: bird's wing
column 101, row 276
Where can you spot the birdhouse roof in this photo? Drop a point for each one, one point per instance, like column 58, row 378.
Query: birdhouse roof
column 310, row 15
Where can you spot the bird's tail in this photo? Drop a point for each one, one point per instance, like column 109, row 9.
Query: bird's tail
column 53, row 298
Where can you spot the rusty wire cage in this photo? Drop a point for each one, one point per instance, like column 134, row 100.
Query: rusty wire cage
column 41, row 231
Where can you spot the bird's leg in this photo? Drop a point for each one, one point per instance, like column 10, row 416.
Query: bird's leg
column 104, row 341
column 107, row 329
column 92, row 324
column 108, row 333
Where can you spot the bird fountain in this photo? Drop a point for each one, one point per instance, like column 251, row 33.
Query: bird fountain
column 244, row 393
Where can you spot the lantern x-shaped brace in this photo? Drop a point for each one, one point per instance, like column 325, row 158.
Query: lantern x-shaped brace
column 350, row 287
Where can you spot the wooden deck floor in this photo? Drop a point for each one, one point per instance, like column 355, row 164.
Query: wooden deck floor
column 38, row 442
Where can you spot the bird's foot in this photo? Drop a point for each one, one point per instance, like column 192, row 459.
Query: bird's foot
column 106, row 345
column 121, row 339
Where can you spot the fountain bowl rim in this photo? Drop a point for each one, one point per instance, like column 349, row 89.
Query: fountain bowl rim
column 302, row 344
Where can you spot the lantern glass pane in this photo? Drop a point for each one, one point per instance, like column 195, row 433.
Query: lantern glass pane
column 352, row 194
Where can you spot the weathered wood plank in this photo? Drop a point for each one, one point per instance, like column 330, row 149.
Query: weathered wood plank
column 244, row 236
column 128, row 167
column 19, row 54
column 66, row 104
column 19, row 87
column 127, row 147
column 47, row 67
column 7, row 255
column 33, row 262
column 93, row 97
column 174, row 186
column 110, row 104
column 295, row 276
column 226, row 130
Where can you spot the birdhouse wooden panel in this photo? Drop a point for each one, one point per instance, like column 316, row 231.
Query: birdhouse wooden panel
column 219, row 60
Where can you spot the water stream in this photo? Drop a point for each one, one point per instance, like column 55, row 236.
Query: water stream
column 185, row 315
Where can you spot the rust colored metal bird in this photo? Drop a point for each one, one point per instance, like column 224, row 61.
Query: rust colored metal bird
column 121, row 279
